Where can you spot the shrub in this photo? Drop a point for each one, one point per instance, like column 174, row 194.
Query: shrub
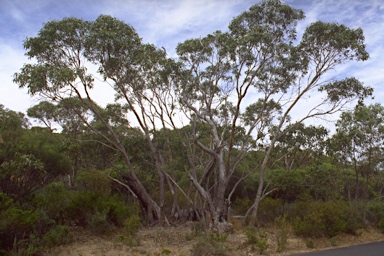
column 282, row 233
column 316, row 219
column 94, row 181
column 132, row 225
column 198, row 228
column 118, row 211
column 89, row 209
column 58, row 235
column 219, row 237
column 16, row 223
column 208, row 245
column 99, row 224
column 54, row 200
column 334, row 218
column 130, row 229
column 29, row 246
column 257, row 239
column 269, row 210
column 241, row 205
column 375, row 213
column 165, row 252
column 310, row 244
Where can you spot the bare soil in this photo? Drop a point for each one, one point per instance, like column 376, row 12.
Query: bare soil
column 178, row 241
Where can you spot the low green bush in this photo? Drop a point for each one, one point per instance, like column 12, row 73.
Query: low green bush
column 129, row 231
column 269, row 210
column 132, row 225
column 118, row 210
column 16, row 222
column 374, row 213
column 209, row 245
column 30, row 246
column 54, row 200
column 89, row 208
column 99, row 224
column 257, row 239
column 282, row 233
column 317, row 219
column 58, row 235
column 94, row 181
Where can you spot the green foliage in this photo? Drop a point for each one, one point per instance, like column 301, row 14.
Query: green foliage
column 327, row 181
column 323, row 181
column 165, row 252
column 130, row 229
column 300, row 146
column 310, row 244
column 333, row 241
column 54, row 200
column 310, row 226
column 219, row 237
column 132, row 225
column 30, row 246
column 94, row 181
column 118, row 211
column 58, row 235
column 282, row 233
column 209, row 245
column 85, row 206
column 269, row 210
column 44, row 112
column 198, row 228
column 241, row 205
column 93, row 206
column 98, row 222
column 31, row 162
column 257, row 239
column 317, row 219
column 358, row 143
column 16, row 222
column 374, row 213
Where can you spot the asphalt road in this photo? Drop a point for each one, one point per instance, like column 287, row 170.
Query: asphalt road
column 370, row 249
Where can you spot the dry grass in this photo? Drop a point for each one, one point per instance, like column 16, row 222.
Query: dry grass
column 178, row 241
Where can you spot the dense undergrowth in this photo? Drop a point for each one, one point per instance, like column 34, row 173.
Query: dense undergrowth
column 48, row 218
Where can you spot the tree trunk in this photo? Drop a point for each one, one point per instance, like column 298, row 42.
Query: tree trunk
column 150, row 209
column 259, row 195
column 215, row 218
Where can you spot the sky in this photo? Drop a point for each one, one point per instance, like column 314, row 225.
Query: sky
column 165, row 23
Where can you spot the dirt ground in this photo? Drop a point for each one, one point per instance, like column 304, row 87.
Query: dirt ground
column 178, row 241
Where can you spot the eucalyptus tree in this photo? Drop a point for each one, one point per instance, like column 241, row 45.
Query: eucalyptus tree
column 358, row 142
column 143, row 79
column 66, row 51
column 44, row 112
column 29, row 158
column 85, row 147
column 300, row 146
column 12, row 125
column 258, row 76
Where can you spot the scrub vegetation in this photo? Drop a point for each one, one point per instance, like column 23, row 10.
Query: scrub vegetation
column 215, row 136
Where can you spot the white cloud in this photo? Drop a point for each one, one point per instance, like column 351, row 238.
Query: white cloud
column 167, row 23
column 11, row 96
